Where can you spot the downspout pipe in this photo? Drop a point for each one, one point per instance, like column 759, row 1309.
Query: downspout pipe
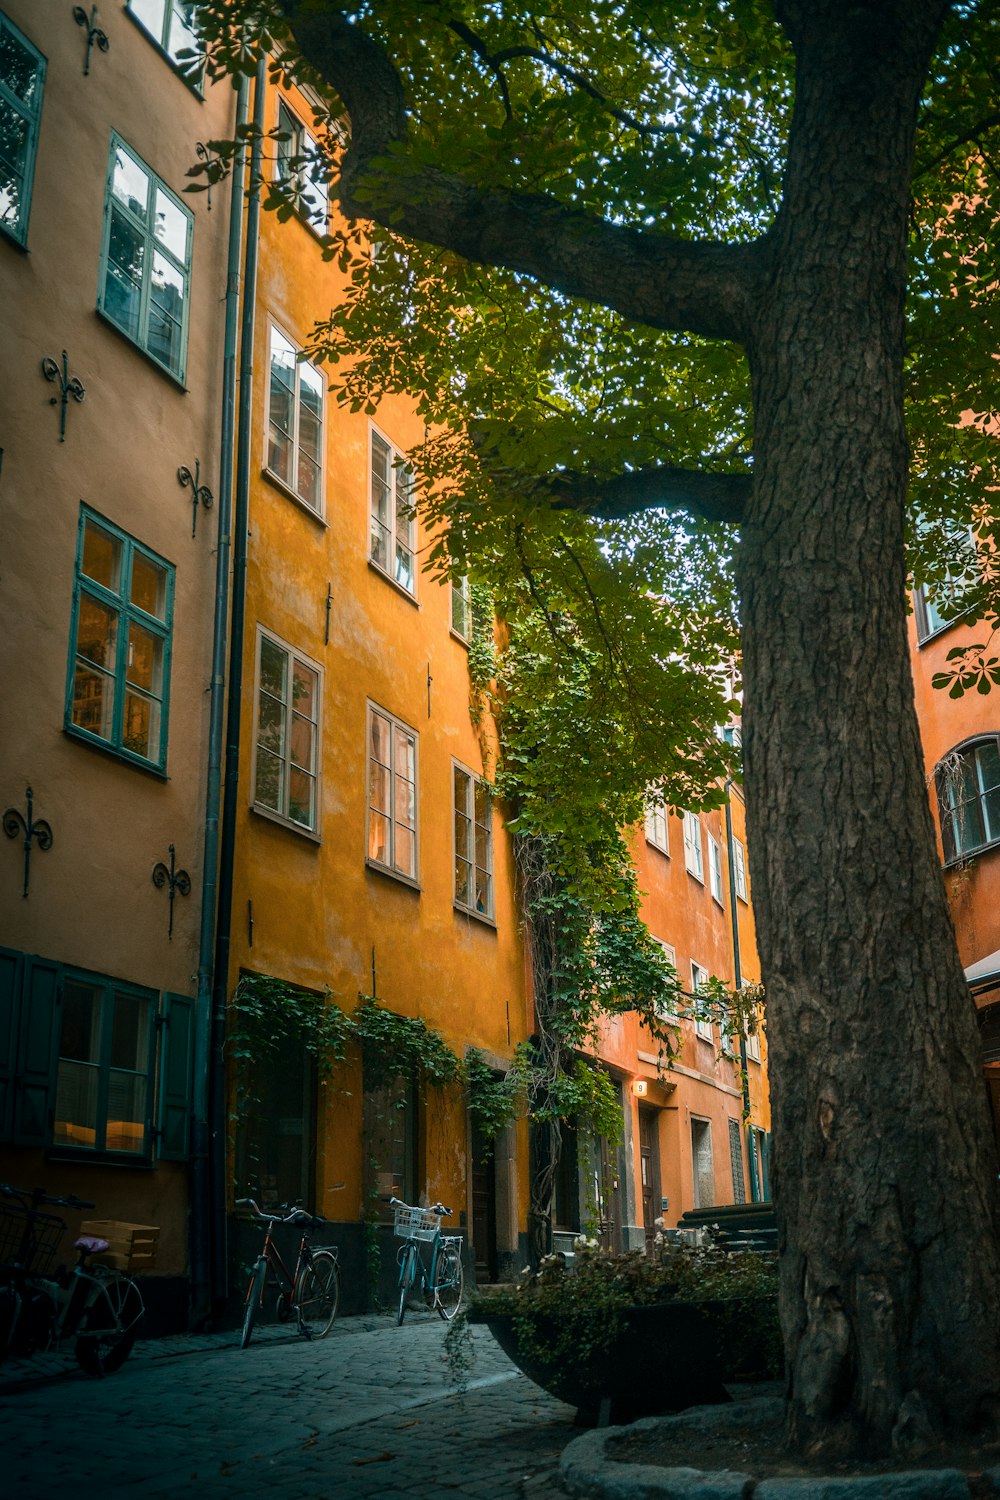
column 218, row 1113
column 755, row 1193
column 200, row 1194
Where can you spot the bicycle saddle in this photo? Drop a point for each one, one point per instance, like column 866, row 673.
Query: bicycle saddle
column 90, row 1244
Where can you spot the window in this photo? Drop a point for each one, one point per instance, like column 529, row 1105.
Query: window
column 103, row 1092
column 473, row 842
column 287, row 718
column 715, row 869
column 936, row 610
column 119, row 665
column 79, row 1065
column 22, row 78
column 752, row 1038
column 655, row 827
column 702, row 1016
column 665, row 1006
column 392, row 794
column 275, row 1155
column 299, row 170
column 968, row 788
column 393, row 523
column 390, row 1115
column 295, row 423
column 740, row 870
column 461, row 608
column 146, row 260
column 736, row 1160
column 694, row 860
column 701, row 1160
column 171, row 24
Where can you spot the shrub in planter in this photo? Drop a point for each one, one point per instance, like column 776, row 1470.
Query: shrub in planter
column 647, row 1333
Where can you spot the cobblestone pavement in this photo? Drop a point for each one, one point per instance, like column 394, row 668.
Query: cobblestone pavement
column 368, row 1412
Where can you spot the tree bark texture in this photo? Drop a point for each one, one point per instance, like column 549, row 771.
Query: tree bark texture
column 884, row 1166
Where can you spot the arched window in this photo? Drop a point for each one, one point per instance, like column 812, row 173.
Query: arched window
column 968, row 788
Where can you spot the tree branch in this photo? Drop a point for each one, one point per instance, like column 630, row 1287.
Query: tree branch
column 690, row 287
column 710, row 497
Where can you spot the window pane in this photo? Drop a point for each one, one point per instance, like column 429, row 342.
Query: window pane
column 18, row 67
column 379, row 738
column 378, row 838
column 484, row 893
column 148, row 589
column 463, row 882
column 304, row 683
column 302, row 798
column 463, row 840
column 96, row 634
column 14, row 132
column 405, row 804
column 182, row 37
column 151, row 13
column 81, row 1014
column 380, row 544
column 123, row 281
column 93, row 701
column 307, row 481
column 166, row 312
column 405, row 754
column 145, row 659
column 405, row 861
column 404, row 566
column 273, row 667
column 101, row 556
column 381, row 488
column 170, row 225
column 482, row 849
column 76, row 1105
column 126, row 1124
column 130, row 1032
column 271, row 724
column 267, row 782
column 303, row 742
column 141, row 725
column 378, row 786
column 130, row 183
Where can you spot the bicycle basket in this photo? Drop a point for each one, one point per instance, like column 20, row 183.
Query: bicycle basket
column 27, row 1239
column 416, row 1223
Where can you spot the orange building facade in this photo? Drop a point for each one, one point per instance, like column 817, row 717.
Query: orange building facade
column 335, row 837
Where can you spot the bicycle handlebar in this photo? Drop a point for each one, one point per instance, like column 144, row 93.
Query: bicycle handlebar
column 434, row 1208
column 282, row 1213
column 39, row 1195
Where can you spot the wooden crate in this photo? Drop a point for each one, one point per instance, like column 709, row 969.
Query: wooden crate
column 131, row 1247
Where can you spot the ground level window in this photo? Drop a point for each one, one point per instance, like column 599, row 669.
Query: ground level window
column 968, row 788
column 276, row 1132
column 103, row 1076
column 701, row 1158
column 390, row 1123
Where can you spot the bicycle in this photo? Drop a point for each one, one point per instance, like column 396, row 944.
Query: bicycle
column 311, row 1292
column 444, row 1281
column 39, row 1308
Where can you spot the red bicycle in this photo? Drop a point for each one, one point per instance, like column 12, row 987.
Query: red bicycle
column 311, row 1291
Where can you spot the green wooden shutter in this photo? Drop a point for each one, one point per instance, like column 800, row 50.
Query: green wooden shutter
column 176, row 1078
column 36, row 1053
column 11, row 975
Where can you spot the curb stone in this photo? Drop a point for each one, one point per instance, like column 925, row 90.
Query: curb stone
column 587, row 1470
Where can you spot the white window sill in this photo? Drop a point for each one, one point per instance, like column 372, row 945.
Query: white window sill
column 396, row 875
column 270, row 816
column 382, row 573
column 476, row 916
column 286, row 489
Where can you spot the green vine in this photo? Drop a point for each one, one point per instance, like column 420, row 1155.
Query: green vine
column 266, row 1014
column 495, row 1101
column 394, row 1046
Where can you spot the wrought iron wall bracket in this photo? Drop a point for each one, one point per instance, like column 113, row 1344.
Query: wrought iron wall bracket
column 177, row 880
column 68, row 386
column 34, row 830
column 202, row 494
column 95, row 36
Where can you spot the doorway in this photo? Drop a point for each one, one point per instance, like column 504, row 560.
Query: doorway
column 484, row 1198
column 649, row 1169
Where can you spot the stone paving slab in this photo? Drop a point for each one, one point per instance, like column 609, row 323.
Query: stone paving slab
column 367, row 1412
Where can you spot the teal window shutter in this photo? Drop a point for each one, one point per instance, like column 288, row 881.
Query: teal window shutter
column 36, row 1053
column 176, row 1078
column 11, row 977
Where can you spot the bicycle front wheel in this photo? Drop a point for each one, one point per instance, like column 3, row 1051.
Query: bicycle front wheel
column 449, row 1282
column 317, row 1295
column 255, row 1294
column 110, row 1327
column 406, row 1274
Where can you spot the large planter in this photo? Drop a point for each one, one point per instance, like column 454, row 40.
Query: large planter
column 647, row 1360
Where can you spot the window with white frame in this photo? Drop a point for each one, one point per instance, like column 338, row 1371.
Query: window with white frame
column 702, row 1017
column 300, row 170
column 392, row 794
column 145, row 281
column 740, row 870
column 295, row 422
column 461, row 608
column 171, row 24
column 968, row 790
column 715, row 868
column 942, row 604
column 393, row 521
column 473, row 805
column 287, row 720
column 694, row 859
column 655, row 826
column 666, row 1007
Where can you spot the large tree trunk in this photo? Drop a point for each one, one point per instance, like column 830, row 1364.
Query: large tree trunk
column 884, row 1165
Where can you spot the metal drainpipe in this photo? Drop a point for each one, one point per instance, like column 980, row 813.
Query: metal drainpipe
column 734, row 910
column 200, row 1200
column 218, row 1113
